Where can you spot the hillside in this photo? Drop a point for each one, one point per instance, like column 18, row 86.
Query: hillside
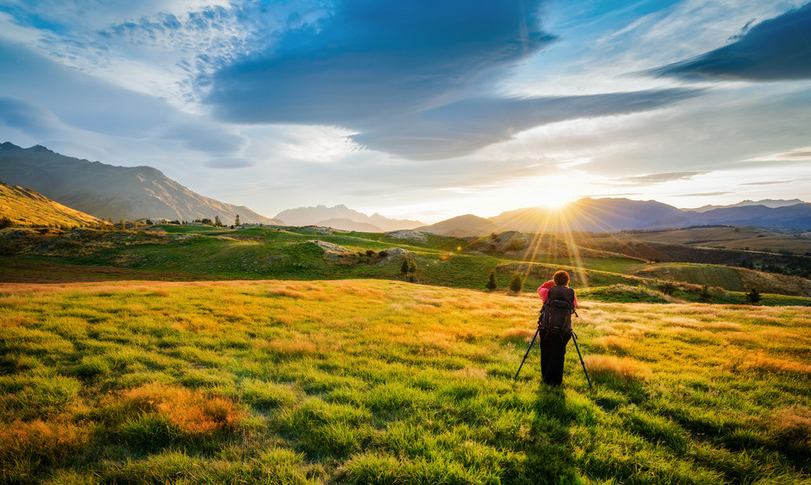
column 358, row 382
column 110, row 192
column 461, row 226
column 27, row 208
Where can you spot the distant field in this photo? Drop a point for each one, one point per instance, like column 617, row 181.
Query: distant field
column 387, row 382
column 746, row 238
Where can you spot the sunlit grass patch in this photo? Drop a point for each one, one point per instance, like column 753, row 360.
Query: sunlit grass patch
column 158, row 415
column 729, row 326
column 613, row 342
column 761, row 362
column 793, row 426
column 286, row 349
column 680, row 322
column 623, row 368
column 27, row 445
column 519, row 334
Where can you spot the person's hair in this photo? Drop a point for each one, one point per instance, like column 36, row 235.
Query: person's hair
column 561, row 278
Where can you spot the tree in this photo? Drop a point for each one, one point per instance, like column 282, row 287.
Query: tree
column 491, row 282
column 753, row 296
column 121, row 225
column 5, row 222
column 236, row 221
column 217, row 221
column 404, row 266
column 516, row 283
column 412, row 266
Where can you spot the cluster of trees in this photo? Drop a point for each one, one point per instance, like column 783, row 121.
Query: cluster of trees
column 217, row 222
column 516, row 282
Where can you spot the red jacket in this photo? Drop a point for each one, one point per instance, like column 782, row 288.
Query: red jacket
column 543, row 291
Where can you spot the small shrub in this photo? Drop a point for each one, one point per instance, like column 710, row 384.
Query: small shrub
column 704, row 294
column 668, row 288
column 753, row 297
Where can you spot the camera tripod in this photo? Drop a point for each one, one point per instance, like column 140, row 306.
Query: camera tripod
column 574, row 337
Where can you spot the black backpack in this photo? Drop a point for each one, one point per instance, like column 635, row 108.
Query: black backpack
column 556, row 312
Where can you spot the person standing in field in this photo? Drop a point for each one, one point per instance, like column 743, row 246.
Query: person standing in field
column 555, row 337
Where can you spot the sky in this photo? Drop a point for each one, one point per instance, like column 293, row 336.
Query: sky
column 425, row 109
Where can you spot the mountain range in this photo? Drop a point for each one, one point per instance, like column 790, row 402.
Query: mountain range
column 616, row 214
column 132, row 193
column 342, row 217
column 110, row 192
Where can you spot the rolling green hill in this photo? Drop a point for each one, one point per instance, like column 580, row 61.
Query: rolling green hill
column 201, row 252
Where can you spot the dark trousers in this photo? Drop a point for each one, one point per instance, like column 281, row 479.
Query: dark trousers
column 553, row 350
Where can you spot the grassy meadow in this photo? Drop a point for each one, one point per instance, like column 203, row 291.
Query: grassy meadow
column 371, row 381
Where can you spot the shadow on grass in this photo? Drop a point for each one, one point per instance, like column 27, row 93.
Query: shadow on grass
column 549, row 458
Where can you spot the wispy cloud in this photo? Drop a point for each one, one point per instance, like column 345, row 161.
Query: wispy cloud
column 657, row 178
column 771, row 182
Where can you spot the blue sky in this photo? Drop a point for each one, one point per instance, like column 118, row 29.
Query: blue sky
column 423, row 109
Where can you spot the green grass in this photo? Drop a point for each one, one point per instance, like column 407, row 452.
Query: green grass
column 387, row 382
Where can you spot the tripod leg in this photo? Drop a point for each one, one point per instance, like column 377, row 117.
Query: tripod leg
column 574, row 337
column 525, row 355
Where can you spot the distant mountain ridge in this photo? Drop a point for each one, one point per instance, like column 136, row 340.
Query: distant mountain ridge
column 617, row 214
column 771, row 203
column 342, row 217
column 111, row 192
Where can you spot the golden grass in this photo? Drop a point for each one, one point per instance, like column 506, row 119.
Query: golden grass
column 793, row 424
column 613, row 342
column 759, row 361
column 680, row 322
column 722, row 326
column 624, row 368
column 193, row 412
column 296, row 348
column 471, row 373
column 43, row 439
column 518, row 334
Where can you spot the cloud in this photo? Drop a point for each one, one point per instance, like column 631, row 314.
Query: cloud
column 27, row 117
column 230, row 163
column 371, row 59
column 778, row 49
column 703, row 194
column 470, row 124
column 407, row 78
column 658, row 178
column 771, row 182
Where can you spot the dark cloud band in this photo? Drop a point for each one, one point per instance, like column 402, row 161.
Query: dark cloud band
column 778, row 49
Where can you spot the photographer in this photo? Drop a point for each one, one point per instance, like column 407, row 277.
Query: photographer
column 555, row 336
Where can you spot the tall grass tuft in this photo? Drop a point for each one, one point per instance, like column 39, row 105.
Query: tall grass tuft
column 622, row 368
